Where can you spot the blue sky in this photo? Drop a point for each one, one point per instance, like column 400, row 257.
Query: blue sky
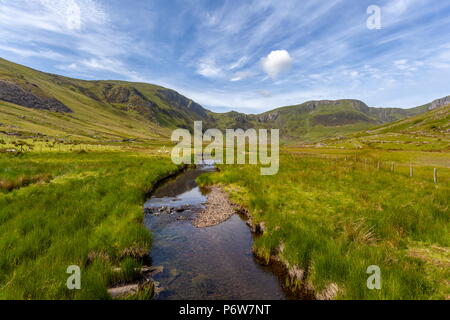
column 249, row 56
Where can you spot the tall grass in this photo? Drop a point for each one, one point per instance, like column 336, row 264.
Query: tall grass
column 334, row 218
column 89, row 214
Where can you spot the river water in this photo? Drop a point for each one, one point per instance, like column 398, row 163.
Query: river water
column 209, row 263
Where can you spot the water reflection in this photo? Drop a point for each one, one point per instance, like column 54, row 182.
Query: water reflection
column 209, row 263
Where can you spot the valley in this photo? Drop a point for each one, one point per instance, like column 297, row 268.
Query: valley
column 357, row 186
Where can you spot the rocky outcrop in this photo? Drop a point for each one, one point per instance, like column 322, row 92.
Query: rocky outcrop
column 175, row 99
column 13, row 93
column 387, row 114
column 439, row 103
column 268, row 117
column 116, row 94
column 124, row 95
column 133, row 99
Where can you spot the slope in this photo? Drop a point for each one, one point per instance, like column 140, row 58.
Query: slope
column 429, row 131
column 36, row 103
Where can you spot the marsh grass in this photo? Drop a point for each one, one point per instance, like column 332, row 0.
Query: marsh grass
column 22, row 181
column 332, row 219
column 89, row 214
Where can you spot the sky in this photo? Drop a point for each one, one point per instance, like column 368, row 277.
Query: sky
column 248, row 56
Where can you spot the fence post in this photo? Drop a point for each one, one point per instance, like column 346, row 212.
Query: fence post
column 378, row 165
column 435, row 175
column 393, row 167
column 410, row 170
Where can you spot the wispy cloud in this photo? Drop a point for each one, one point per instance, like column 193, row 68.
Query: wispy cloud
column 246, row 55
column 241, row 75
column 208, row 69
column 70, row 32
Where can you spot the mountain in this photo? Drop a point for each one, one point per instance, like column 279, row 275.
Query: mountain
column 315, row 120
column 34, row 103
column 429, row 131
column 439, row 103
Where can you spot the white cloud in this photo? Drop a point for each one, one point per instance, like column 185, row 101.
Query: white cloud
column 398, row 7
column 47, row 54
column 276, row 62
column 238, row 63
column 316, row 76
column 265, row 93
column 208, row 69
column 406, row 65
column 400, row 62
column 75, row 13
column 241, row 75
column 72, row 66
column 232, row 38
column 256, row 101
column 94, row 43
column 111, row 65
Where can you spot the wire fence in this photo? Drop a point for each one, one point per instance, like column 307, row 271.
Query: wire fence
column 411, row 169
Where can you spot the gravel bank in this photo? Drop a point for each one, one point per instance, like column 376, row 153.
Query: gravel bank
column 217, row 209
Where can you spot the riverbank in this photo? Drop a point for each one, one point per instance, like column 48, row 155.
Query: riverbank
column 199, row 262
column 88, row 214
column 219, row 208
column 328, row 220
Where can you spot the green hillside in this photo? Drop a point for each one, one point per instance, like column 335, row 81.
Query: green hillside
column 428, row 132
column 34, row 104
column 93, row 149
column 315, row 120
column 89, row 110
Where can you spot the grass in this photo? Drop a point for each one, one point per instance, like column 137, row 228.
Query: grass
column 7, row 185
column 72, row 185
column 95, row 117
column 330, row 212
column 333, row 218
column 87, row 211
column 424, row 132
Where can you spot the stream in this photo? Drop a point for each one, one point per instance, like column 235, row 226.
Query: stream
column 203, row 263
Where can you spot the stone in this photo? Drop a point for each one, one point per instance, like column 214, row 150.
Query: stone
column 22, row 96
column 439, row 103
column 119, row 292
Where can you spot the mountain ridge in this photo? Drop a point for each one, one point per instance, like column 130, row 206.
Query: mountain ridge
column 148, row 111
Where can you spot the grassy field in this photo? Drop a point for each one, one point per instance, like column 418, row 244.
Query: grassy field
column 73, row 208
column 330, row 214
column 74, row 197
column 72, row 188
